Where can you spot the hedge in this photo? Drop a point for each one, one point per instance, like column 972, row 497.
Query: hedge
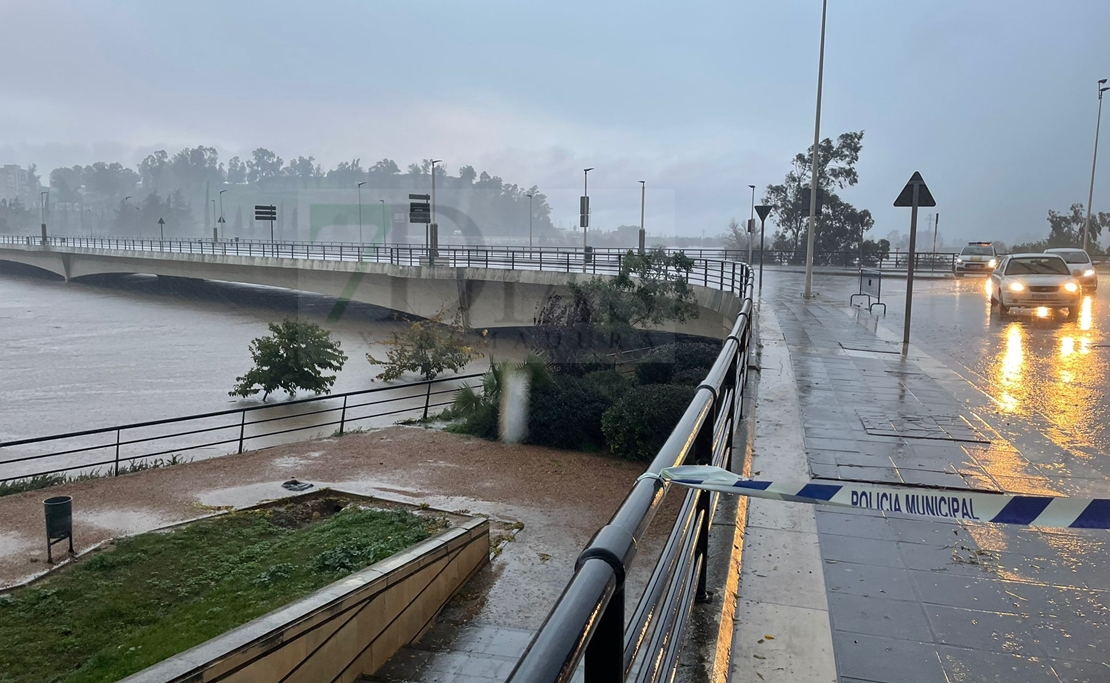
column 638, row 425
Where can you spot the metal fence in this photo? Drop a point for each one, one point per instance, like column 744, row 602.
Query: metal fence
column 588, row 621
column 111, row 450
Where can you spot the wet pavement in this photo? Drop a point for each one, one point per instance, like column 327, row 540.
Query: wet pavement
column 977, row 403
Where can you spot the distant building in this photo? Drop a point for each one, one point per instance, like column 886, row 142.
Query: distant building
column 13, row 183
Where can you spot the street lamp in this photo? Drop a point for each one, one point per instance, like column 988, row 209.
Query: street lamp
column 222, row 222
column 385, row 231
column 751, row 226
column 813, row 161
column 643, row 196
column 585, row 219
column 529, row 221
column 360, row 210
column 1091, row 193
column 44, row 197
column 433, row 230
column 214, row 233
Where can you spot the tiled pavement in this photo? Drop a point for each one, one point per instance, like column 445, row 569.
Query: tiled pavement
column 913, row 600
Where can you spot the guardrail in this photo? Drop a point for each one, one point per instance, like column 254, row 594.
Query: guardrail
column 588, row 621
column 218, row 433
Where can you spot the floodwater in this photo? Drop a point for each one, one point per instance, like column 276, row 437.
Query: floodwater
column 99, row 352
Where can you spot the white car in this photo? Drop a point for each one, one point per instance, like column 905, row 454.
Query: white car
column 1035, row 281
column 976, row 257
column 1081, row 267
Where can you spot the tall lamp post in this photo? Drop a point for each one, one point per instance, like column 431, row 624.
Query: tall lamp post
column 529, row 221
column 215, row 231
column 643, row 197
column 222, row 222
column 1091, row 193
column 44, row 197
column 433, row 229
column 125, row 206
column 385, row 230
column 751, row 228
column 585, row 219
column 359, row 186
column 813, row 169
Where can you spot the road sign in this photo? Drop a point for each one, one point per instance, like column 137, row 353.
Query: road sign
column 913, row 195
column 584, row 211
column 806, row 197
column 220, row 221
column 420, row 212
column 425, row 197
column 161, row 222
column 265, row 213
column 924, row 197
column 763, row 211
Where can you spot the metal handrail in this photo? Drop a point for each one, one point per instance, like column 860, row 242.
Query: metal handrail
column 587, row 622
column 343, row 406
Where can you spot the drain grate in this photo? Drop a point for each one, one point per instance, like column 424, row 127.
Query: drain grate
column 934, row 427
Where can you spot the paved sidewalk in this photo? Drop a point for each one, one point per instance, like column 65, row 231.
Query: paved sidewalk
column 922, row 601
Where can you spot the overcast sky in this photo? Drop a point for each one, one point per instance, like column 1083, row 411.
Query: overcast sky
column 993, row 100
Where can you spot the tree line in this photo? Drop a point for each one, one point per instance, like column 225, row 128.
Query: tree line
column 91, row 199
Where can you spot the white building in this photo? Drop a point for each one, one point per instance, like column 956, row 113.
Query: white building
column 13, row 183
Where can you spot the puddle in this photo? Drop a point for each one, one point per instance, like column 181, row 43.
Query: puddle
column 120, row 522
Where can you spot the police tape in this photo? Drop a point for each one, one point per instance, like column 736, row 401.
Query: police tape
column 948, row 504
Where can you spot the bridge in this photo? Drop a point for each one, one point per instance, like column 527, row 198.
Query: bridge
column 491, row 287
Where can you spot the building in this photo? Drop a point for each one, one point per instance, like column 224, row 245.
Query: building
column 13, row 184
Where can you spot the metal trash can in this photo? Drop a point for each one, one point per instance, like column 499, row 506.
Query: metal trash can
column 59, row 523
column 589, row 254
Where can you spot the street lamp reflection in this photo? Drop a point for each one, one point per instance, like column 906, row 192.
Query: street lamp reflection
column 1085, row 314
column 1010, row 370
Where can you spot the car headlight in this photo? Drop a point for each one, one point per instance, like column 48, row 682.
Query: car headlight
column 1071, row 287
column 1016, row 287
column 1089, row 272
column 992, row 263
column 959, row 260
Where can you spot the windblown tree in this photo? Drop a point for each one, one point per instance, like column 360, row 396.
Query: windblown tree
column 840, row 226
column 427, row 348
column 295, row 355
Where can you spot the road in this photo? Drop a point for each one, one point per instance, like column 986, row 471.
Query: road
column 1016, row 405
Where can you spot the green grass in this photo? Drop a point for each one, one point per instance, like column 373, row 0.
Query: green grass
column 154, row 595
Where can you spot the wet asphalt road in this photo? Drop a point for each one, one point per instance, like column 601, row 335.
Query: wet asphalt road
column 923, row 600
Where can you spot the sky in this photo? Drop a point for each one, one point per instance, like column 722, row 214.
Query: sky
column 993, row 101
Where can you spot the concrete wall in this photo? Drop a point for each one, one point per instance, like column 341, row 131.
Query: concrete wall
column 488, row 297
column 346, row 630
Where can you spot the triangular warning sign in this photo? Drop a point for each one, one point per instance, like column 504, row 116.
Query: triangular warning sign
column 763, row 210
column 924, row 197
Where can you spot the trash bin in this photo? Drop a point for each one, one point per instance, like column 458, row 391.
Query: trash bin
column 589, row 254
column 59, row 522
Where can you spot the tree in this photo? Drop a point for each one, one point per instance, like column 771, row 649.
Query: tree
column 236, row 171
column 608, row 311
column 1066, row 230
column 263, row 165
column 735, row 238
column 836, row 170
column 427, row 347
column 295, row 355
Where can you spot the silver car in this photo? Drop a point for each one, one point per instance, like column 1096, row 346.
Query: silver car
column 1035, row 281
column 1082, row 269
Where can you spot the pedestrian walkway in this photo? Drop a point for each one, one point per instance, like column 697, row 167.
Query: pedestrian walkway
column 912, row 600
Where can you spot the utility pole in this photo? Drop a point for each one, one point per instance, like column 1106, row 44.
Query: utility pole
column 360, row 210
column 751, row 228
column 385, row 230
column 433, row 231
column 643, row 235
column 223, row 233
column 813, row 168
column 585, row 210
column 1091, row 193
column 529, row 221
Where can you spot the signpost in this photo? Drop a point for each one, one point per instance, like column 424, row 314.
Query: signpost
column 763, row 210
column 266, row 213
column 420, row 211
column 161, row 229
column 913, row 195
column 221, row 222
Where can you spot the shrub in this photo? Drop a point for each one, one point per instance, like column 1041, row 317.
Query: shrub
column 611, row 383
column 295, row 355
column 638, row 425
column 567, row 414
column 690, row 377
column 659, row 366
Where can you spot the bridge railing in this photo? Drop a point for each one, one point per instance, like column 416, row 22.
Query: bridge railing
column 588, row 624
column 112, row 450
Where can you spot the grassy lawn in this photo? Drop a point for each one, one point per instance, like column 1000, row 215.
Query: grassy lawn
column 158, row 594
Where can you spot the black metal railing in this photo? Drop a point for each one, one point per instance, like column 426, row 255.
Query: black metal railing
column 110, row 450
column 588, row 623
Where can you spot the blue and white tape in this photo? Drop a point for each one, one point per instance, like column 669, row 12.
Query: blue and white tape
column 947, row 504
